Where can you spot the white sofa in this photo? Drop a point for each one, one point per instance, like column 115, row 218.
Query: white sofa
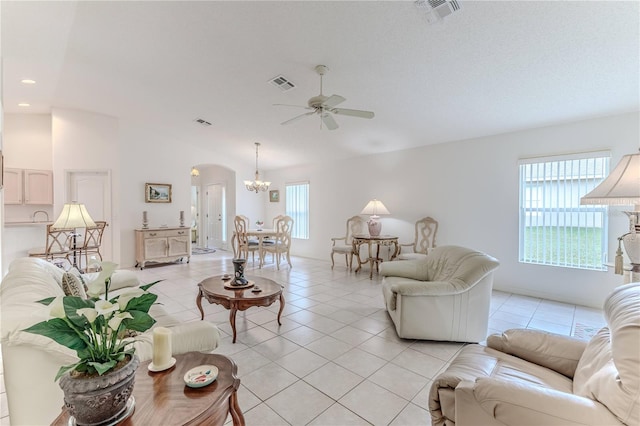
column 531, row 377
column 445, row 296
column 31, row 361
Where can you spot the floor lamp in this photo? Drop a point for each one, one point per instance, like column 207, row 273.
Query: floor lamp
column 622, row 188
column 74, row 216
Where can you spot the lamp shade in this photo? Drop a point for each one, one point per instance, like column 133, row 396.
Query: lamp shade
column 621, row 187
column 74, row 215
column 375, row 208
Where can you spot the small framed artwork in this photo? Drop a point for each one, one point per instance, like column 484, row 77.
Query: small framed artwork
column 274, row 196
column 157, row 193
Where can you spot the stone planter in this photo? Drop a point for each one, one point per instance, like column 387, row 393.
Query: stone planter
column 102, row 399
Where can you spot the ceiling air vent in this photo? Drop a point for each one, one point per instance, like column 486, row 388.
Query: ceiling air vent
column 437, row 10
column 202, row 122
column 282, row 83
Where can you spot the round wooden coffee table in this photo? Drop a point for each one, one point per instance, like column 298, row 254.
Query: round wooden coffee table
column 162, row 398
column 235, row 300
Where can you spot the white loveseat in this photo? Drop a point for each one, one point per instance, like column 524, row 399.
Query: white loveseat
column 531, row 377
column 445, row 296
column 31, row 361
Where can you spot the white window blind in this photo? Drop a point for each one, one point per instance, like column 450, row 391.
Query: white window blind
column 554, row 228
column 297, row 206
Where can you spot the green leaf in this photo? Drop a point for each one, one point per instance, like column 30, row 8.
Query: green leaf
column 103, row 367
column 61, row 332
column 141, row 321
column 142, row 303
column 71, row 305
column 146, row 287
column 63, row 370
column 47, row 301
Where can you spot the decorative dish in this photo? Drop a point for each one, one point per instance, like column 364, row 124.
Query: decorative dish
column 155, row 369
column 200, row 376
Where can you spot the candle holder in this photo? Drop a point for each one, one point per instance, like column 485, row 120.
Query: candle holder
column 181, row 218
column 145, row 220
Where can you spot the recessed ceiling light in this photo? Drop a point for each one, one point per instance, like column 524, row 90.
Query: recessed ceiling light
column 28, row 81
column 24, row 104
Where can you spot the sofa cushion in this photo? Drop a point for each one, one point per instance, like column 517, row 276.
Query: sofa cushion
column 72, row 286
column 608, row 368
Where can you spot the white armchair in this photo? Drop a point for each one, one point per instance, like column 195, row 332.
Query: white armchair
column 445, row 296
column 531, row 377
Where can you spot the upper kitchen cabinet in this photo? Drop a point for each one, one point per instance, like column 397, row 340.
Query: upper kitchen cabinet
column 28, row 186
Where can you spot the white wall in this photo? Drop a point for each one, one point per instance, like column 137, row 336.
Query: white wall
column 471, row 188
column 148, row 155
column 85, row 141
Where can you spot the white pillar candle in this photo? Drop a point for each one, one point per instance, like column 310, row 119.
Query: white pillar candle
column 144, row 216
column 161, row 346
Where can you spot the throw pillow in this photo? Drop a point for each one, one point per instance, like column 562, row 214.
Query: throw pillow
column 72, row 286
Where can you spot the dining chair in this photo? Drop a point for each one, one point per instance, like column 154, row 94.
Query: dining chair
column 92, row 242
column 57, row 245
column 282, row 242
column 424, row 240
column 243, row 244
column 344, row 245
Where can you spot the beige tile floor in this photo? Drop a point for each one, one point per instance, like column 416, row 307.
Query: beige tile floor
column 336, row 359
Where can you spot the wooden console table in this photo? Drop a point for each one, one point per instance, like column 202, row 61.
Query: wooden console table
column 380, row 240
column 163, row 399
column 162, row 245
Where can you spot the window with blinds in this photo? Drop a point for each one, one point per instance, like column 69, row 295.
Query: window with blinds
column 297, row 206
column 554, row 228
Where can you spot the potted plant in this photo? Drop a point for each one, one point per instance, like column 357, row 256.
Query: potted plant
column 98, row 386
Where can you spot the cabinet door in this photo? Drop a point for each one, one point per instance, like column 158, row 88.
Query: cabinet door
column 155, row 248
column 38, row 187
column 178, row 246
column 12, row 186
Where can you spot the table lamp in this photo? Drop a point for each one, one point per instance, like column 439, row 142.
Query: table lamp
column 374, row 208
column 74, row 215
column 622, row 188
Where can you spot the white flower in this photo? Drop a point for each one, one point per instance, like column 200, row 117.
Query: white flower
column 114, row 322
column 105, row 308
column 89, row 313
column 97, row 286
column 56, row 308
column 127, row 295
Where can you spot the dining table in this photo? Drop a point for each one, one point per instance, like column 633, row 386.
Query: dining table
column 260, row 235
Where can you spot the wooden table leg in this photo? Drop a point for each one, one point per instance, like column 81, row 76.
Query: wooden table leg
column 199, row 304
column 232, row 319
column 281, row 308
column 234, row 410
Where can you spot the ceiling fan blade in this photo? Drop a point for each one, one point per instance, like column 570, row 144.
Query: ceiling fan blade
column 294, row 106
column 328, row 121
column 296, row 118
column 333, row 100
column 353, row 112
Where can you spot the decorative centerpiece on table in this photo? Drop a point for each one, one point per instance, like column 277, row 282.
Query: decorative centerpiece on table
column 238, row 273
column 259, row 224
column 98, row 387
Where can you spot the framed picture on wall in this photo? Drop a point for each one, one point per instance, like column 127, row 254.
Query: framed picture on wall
column 274, row 196
column 157, row 193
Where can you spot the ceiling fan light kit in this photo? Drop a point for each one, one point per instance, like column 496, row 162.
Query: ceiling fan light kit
column 325, row 106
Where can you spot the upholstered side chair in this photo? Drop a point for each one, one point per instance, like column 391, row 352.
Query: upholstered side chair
column 424, row 240
column 344, row 245
column 242, row 244
column 282, row 242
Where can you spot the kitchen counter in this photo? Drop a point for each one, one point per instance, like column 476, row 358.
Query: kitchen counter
column 26, row 223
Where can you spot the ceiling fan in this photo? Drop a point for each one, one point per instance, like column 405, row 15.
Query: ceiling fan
column 325, row 106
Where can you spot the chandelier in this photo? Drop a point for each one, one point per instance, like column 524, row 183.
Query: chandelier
column 195, row 171
column 256, row 185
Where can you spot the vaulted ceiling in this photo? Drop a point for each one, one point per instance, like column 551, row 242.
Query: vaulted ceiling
column 492, row 67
